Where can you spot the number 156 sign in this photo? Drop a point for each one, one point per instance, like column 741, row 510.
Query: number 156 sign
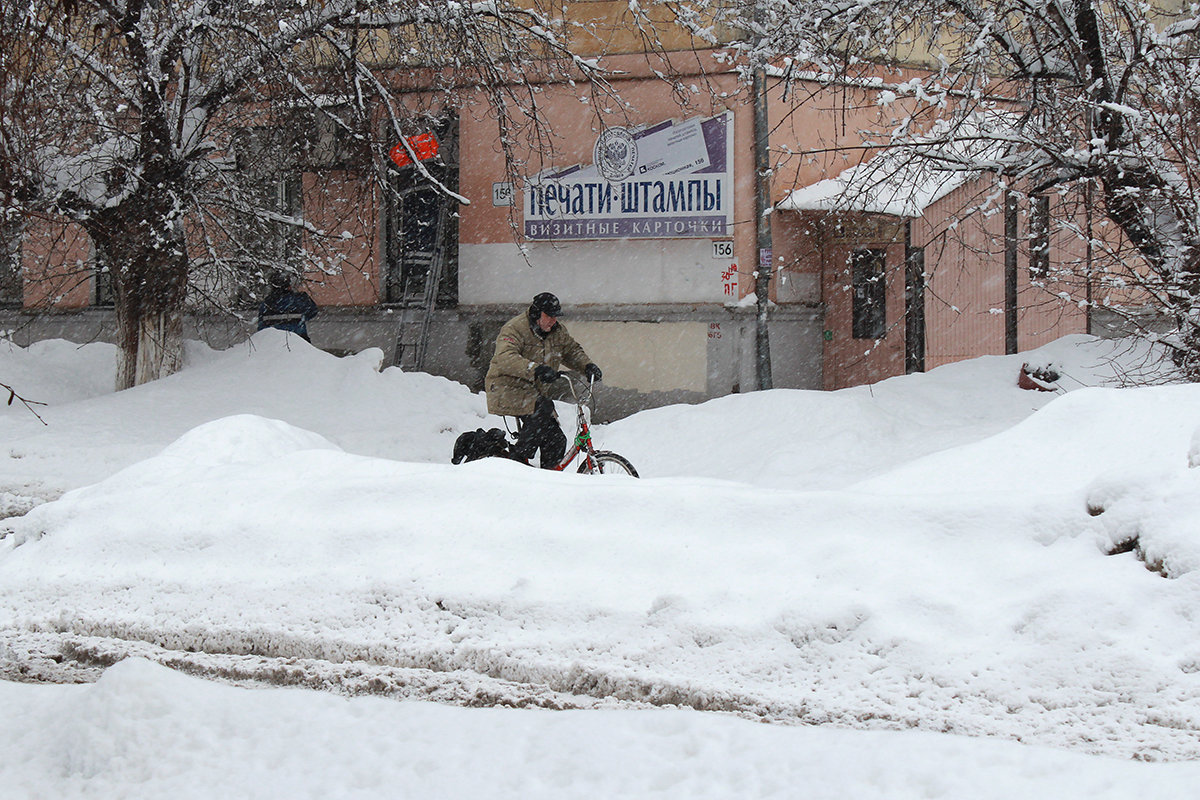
column 502, row 194
column 722, row 249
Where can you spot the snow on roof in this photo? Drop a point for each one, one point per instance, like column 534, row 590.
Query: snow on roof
column 896, row 195
column 906, row 178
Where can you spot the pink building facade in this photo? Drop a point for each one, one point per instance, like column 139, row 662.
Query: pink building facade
column 642, row 220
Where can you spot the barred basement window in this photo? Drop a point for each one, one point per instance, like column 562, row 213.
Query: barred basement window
column 868, row 281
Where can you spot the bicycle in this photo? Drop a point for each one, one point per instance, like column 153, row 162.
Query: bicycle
column 595, row 462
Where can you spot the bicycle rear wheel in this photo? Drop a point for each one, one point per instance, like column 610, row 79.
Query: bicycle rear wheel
column 608, row 463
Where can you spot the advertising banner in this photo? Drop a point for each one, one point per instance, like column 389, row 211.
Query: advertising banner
column 672, row 180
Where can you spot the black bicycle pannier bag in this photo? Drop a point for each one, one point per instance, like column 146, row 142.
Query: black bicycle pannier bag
column 477, row 444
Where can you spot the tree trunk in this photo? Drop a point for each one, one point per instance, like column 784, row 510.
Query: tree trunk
column 151, row 346
column 1134, row 200
column 127, row 346
column 149, row 267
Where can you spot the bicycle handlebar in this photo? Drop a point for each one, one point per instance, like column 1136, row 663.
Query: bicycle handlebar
column 571, row 374
column 588, row 386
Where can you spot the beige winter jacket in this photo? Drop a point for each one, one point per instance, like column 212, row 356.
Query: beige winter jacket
column 511, row 389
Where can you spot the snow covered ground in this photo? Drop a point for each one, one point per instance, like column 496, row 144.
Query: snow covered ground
column 911, row 581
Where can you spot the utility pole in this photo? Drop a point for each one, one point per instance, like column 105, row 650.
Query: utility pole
column 762, row 223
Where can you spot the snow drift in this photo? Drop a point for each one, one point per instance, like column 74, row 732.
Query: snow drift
column 276, row 514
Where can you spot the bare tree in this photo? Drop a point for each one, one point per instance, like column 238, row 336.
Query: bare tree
column 1074, row 94
column 134, row 134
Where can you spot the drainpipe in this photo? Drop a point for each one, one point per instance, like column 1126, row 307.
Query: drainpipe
column 914, row 304
column 762, row 227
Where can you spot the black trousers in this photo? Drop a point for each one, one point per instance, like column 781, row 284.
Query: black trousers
column 540, row 431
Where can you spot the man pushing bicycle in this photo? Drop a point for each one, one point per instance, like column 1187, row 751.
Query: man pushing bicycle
column 530, row 350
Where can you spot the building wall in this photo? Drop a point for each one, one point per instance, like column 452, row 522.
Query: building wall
column 661, row 313
column 493, row 268
column 816, row 131
column 963, row 237
column 1056, row 304
column 669, row 320
column 798, row 258
column 345, row 271
column 850, row 361
column 56, row 265
column 965, row 259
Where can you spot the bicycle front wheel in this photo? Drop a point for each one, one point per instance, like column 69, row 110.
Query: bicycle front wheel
column 608, row 463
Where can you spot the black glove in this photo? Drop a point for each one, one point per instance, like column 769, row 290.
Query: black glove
column 592, row 373
column 545, row 374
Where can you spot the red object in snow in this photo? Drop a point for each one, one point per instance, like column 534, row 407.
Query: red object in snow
column 1027, row 381
column 424, row 145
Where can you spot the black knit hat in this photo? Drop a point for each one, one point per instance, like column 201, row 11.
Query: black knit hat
column 545, row 303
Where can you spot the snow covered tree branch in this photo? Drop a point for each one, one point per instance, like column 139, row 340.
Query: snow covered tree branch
column 157, row 127
column 1071, row 92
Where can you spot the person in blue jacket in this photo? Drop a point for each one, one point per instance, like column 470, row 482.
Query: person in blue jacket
column 286, row 308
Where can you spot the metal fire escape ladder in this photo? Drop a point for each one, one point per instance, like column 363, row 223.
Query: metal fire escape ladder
column 412, row 335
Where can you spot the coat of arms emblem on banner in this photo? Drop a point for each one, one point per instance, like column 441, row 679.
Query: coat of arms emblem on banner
column 615, row 154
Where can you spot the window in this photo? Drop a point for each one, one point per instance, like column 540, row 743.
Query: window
column 103, row 293
column 421, row 226
column 1039, row 237
column 10, row 263
column 283, row 241
column 271, row 202
column 868, row 281
column 325, row 140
